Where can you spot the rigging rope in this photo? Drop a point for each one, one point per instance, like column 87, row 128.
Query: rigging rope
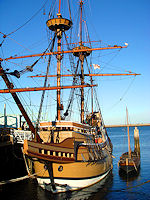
column 52, row 8
column 20, row 178
column 15, row 42
column 45, row 82
column 30, row 68
column 72, row 91
column 123, row 95
column 70, row 55
column 21, row 97
column 69, row 10
column 74, row 70
column 28, row 20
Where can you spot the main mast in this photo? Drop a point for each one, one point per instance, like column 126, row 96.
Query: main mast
column 59, row 25
column 81, row 54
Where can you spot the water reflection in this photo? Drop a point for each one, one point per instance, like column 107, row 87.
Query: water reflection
column 129, row 177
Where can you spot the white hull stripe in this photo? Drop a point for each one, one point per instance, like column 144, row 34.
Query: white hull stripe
column 63, row 185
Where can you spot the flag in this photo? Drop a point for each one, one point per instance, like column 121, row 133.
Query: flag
column 96, row 66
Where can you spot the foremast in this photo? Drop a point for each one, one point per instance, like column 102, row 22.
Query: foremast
column 81, row 57
column 59, row 25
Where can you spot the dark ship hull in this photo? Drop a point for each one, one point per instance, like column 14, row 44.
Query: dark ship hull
column 129, row 164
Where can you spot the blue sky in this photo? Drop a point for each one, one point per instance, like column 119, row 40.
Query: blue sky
column 113, row 22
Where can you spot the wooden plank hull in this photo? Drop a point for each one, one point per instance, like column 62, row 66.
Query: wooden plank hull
column 67, row 171
column 76, row 161
column 129, row 169
column 72, row 176
column 129, row 165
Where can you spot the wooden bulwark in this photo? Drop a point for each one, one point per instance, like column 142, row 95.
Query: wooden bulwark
column 62, row 152
column 66, row 124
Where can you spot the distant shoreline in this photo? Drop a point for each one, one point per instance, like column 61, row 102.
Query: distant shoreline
column 124, row 125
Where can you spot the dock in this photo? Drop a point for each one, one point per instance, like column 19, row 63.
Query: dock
column 12, row 162
column 124, row 125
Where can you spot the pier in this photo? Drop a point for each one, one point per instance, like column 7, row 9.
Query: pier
column 124, row 125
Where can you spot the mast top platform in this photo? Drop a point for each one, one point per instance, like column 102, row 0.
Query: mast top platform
column 82, row 47
column 59, row 23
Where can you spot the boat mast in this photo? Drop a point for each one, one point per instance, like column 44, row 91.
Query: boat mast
column 59, row 57
column 129, row 148
column 81, row 57
column 91, row 94
column 81, row 3
column 59, row 25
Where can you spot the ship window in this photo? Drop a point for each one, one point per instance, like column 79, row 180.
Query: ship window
column 51, row 153
column 56, row 153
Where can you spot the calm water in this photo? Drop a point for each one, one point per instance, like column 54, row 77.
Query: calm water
column 113, row 187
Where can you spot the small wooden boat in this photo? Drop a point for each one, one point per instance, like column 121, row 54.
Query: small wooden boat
column 130, row 161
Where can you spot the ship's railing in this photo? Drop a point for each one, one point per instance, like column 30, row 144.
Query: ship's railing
column 21, row 135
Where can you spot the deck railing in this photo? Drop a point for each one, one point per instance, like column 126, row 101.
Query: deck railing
column 21, row 135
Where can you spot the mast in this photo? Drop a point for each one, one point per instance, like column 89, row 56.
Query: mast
column 91, row 91
column 81, row 3
column 59, row 57
column 81, row 57
column 129, row 148
column 59, row 25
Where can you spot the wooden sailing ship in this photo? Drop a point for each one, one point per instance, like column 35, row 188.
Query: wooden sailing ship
column 65, row 154
column 130, row 161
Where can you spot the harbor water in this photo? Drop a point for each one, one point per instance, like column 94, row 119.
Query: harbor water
column 115, row 186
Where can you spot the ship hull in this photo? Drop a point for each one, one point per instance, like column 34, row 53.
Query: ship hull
column 129, row 165
column 64, row 185
column 73, row 163
column 129, row 169
column 73, row 176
